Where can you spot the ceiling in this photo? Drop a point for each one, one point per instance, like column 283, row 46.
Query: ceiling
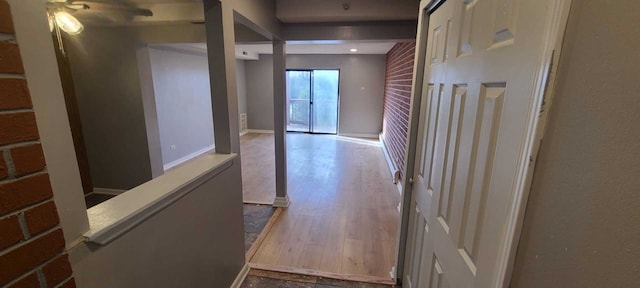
column 302, row 11
column 140, row 1
column 314, row 48
column 307, row 11
column 253, row 51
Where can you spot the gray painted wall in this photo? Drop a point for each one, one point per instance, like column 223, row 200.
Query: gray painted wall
column 195, row 242
column 183, row 101
column 261, row 16
column 109, row 97
column 581, row 223
column 361, row 89
column 242, row 86
column 105, row 72
column 259, row 85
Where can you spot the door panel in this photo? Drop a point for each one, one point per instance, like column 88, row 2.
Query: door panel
column 298, row 99
column 325, row 101
column 477, row 99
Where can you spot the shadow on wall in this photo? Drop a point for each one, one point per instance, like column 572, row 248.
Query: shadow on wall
column 130, row 138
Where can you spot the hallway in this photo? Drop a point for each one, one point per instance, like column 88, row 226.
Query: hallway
column 343, row 220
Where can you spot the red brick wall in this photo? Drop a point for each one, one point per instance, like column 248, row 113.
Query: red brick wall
column 32, row 247
column 397, row 94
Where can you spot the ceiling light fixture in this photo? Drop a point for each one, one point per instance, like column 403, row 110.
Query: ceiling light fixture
column 52, row 22
column 353, row 50
column 68, row 23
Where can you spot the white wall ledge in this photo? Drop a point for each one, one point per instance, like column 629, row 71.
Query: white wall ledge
column 116, row 216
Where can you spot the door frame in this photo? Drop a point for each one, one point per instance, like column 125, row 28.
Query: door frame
column 543, row 92
column 311, row 100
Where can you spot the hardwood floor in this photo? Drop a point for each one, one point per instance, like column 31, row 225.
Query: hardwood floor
column 258, row 168
column 268, row 279
column 343, row 218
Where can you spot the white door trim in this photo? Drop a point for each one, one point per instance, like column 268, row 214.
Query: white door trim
column 544, row 83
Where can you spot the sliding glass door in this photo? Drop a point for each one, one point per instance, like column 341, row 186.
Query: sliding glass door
column 299, row 99
column 312, row 97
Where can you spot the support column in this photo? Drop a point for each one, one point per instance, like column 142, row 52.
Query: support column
column 219, row 24
column 280, row 122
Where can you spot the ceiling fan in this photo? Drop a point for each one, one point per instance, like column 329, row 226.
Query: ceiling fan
column 64, row 14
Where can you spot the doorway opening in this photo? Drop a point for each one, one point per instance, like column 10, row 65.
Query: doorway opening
column 313, row 97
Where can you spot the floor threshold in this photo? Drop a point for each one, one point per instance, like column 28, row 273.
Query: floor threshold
column 323, row 274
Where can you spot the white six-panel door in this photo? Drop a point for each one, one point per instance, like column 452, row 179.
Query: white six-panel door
column 482, row 58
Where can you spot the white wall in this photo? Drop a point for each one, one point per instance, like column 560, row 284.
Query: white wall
column 361, row 89
column 183, row 101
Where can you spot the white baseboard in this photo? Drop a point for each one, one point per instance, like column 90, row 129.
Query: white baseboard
column 387, row 156
column 260, row 131
column 108, row 191
column 241, row 276
column 357, row 135
column 187, row 158
column 282, row 202
column 399, row 186
column 242, row 133
column 392, row 167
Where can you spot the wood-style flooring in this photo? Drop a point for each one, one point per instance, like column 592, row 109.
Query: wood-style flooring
column 257, row 154
column 342, row 220
column 268, row 279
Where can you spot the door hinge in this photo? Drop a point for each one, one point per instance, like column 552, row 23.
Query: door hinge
column 411, row 180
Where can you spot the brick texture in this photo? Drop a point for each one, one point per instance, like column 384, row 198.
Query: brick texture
column 6, row 22
column 4, row 171
column 24, row 258
column 10, row 61
column 10, row 232
column 397, row 96
column 14, row 94
column 28, row 159
column 41, row 218
column 71, row 283
column 23, row 192
column 57, row 271
column 18, row 127
column 31, row 240
column 27, row 282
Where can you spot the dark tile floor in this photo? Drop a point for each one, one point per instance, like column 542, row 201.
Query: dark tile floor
column 255, row 218
column 268, row 279
column 94, row 199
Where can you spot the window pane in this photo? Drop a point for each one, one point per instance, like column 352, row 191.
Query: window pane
column 298, row 97
column 325, row 101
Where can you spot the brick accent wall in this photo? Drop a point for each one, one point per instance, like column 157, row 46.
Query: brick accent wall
column 32, row 247
column 397, row 95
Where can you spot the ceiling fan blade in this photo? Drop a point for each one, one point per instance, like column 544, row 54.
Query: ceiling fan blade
column 114, row 7
column 77, row 6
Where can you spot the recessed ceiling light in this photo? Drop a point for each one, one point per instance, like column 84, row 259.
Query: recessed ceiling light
column 353, row 50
